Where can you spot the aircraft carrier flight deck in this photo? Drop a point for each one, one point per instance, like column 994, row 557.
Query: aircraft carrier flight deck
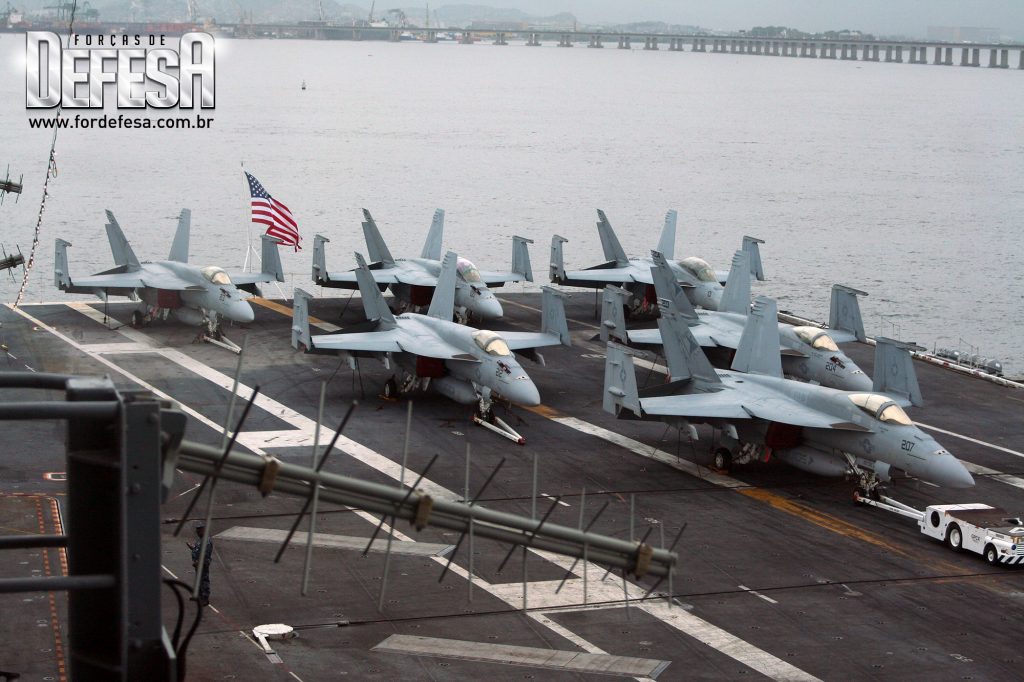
column 782, row 575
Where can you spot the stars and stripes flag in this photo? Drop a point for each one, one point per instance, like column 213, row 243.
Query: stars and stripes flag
column 266, row 210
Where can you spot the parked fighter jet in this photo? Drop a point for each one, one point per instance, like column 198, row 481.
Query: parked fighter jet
column 192, row 294
column 465, row 364
column 817, row 429
column 808, row 353
column 702, row 284
column 412, row 280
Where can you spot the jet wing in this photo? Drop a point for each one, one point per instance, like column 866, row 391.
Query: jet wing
column 383, row 275
column 615, row 275
column 653, row 336
column 167, row 281
column 792, row 412
column 525, row 340
column 251, row 277
column 381, row 342
column 501, row 277
column 719, row 405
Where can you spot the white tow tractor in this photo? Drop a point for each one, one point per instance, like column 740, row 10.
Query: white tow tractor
column 979, row 528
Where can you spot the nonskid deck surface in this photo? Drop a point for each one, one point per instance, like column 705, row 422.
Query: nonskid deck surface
column 782, row 574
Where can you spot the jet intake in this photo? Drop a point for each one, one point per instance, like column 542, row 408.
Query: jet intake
column 432, row 368
column 420, row 295
column 783, row 436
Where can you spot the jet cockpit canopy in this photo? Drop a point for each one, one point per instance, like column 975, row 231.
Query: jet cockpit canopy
column 881, row 407
column 467, row 271
column 491, row 342
column 216, row 275
column 699, row 268
column 816, row 338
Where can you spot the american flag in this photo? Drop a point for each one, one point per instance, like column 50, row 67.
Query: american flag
column 266, row 210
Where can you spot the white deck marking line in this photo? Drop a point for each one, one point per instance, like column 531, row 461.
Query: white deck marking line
column 304, row 424
column 725, row 642
column 564, row 504
column 112, row 348
column 972, row 440
column 186, row 492
column 1008, row 479
column 757, row 594
column 651, row 452
column 169, row 572
column 120, row 370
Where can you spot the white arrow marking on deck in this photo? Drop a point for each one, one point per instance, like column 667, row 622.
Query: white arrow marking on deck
column 711, row 635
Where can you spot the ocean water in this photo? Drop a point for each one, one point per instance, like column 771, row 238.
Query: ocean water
column 902, row 180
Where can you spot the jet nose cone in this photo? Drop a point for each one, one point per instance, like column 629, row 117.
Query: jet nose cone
column 523, row 392
column 488, row 307
column 241, row 312
column 948, row 471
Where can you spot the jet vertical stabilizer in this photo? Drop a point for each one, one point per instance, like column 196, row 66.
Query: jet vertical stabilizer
column 301, row 339
column 609, row 242
column 758, row 352
column 376, row 249
column 557, row 260
column 667, row 288
column 620, row 390
column 894, row 370
column 521, row 257
column 432, row 247
column 271, row 257
column 613, row 316
column 320, row 275
column 736, row 296
column 179, row 247
column 683, row 354
column 442, row 305
column 119, row 246
column 844, row 311
column 61, row 273
column 552, row 320
column 667, row 243
column 373, row 301
column 750, row 246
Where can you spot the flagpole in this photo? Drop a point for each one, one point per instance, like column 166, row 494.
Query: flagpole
column 246, row 266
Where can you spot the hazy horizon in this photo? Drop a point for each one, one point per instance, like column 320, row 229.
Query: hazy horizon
column 887, row 17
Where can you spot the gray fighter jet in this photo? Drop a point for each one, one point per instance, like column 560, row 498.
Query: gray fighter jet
column 817, row 429
column 412, row 280
column 808, row 353
column 462, row 363
column 192, row 294
column 702, row 284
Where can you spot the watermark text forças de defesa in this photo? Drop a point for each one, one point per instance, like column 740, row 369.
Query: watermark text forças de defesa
column 144, row 72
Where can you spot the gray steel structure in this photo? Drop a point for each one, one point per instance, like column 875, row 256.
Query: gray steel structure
column 194, row 295
column 702, row 284
column 817, row 429
column 808, row 352
column 124, row 449
column 412, row 280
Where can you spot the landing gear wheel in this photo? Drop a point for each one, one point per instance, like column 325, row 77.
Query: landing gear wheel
column 391, row 389
column 136, row 319
column 723, row 459
column 991, row 555
column 955, row 538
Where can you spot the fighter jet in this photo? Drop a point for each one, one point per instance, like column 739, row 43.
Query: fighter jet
column 816, row 429
column 808, row 353
column 702, row 284
column 465, row 364
column 412, row 280
column 192, row 294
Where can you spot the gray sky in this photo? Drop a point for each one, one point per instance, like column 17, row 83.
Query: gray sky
column 911, row 17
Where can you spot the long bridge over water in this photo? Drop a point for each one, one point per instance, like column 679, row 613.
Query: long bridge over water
column 992, row 55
